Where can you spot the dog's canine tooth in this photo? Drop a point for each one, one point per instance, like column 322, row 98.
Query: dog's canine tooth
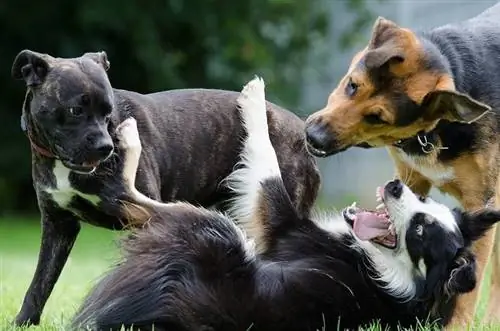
column 380, row 206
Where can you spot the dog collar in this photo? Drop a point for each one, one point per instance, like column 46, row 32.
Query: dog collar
column 40, row 150
column 37, row 148
column 424, row 142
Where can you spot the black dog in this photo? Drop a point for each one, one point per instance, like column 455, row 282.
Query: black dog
column 70, row 115
column 193, row 269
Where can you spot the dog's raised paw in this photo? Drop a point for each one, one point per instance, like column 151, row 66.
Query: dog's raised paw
column 128, row 134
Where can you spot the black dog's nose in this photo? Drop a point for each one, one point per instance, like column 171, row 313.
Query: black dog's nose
column 105, row 150
column 394, row 188
column 102, row 150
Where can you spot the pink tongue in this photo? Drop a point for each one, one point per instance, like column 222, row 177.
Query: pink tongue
column 369, row 225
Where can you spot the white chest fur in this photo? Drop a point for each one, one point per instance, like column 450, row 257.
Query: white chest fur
column 434, row 171
column 63, row 192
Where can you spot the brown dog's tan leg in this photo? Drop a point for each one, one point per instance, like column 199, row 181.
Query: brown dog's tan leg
column 467, row 303
column 414, row 180
column 493, row 313
column 470, row 187
column 466, row 306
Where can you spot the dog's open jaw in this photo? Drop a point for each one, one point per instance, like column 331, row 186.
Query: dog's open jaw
column 376, row 225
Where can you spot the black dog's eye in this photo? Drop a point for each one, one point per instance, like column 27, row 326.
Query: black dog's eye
column 422, row 198
column 351, row 88
column 374, row 119
column 85, row 100
column 75, row 111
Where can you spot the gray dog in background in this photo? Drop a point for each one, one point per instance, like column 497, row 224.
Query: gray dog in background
column 70, row 115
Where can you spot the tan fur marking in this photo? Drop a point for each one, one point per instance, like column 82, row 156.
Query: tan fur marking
column 412, row 178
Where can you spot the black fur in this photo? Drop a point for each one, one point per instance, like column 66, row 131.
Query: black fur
column 189, row 270
column 189, row 148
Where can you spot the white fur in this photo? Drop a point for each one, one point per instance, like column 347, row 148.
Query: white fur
column 129, row 140
column 63, row 192
column 436, row 173
column 258, row 162
column 402, row 209
column 395, row 267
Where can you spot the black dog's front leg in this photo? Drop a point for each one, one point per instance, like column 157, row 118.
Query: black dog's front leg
column 59, row 231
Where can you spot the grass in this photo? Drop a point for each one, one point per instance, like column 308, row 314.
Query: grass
column 94, row 252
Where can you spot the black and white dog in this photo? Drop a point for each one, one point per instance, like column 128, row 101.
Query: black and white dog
column 194, row 269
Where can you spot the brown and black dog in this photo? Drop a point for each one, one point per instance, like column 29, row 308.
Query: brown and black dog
column 433, row 98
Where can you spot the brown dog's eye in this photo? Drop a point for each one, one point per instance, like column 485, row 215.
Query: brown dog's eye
column 374, row 119
column 351, row 88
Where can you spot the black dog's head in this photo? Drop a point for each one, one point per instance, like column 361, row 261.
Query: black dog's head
column 68, row 106
column 424, row 239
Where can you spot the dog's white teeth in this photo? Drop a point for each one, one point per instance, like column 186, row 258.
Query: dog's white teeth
column 392, row 228
column 353, row 205
column 380, row 206
column 379, row 199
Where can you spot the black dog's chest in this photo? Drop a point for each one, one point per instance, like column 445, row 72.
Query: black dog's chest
column 93, row 199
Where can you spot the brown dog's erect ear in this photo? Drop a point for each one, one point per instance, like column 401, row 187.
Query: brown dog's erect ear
column 383, row 30
column 382, row 46
column 453, row 106
column 385, row 54
column 462, row 276
column 31, row 66
column 99, row 58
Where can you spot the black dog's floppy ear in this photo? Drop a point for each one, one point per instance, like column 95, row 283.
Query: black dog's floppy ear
column 474, row 225
column 453, row 106
column 462, row 277
column 100, row 58
column 31, row 66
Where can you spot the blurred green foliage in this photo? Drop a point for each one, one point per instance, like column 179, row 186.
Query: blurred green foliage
column 161, row 44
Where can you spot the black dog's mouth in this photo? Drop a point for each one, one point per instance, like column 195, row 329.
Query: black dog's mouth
column 374, row 226
column 85, row 168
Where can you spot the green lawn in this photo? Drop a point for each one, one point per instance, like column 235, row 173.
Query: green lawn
column 94, row 251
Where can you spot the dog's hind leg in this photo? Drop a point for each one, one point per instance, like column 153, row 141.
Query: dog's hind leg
column 259, row 190
column 59, row 231
column 129, row 141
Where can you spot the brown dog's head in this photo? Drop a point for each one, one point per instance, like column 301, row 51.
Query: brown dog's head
column 394, row 88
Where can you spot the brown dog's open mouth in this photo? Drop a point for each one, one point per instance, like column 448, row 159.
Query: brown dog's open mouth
column 374, row 226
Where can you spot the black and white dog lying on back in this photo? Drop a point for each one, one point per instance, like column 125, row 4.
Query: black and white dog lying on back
column 194, row 269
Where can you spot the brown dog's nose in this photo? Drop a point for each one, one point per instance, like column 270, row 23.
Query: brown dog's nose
column 319, row 138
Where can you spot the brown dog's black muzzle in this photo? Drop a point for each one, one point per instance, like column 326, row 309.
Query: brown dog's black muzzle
column 320, row 140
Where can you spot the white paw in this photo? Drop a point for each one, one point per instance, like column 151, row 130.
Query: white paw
column 128, row 135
